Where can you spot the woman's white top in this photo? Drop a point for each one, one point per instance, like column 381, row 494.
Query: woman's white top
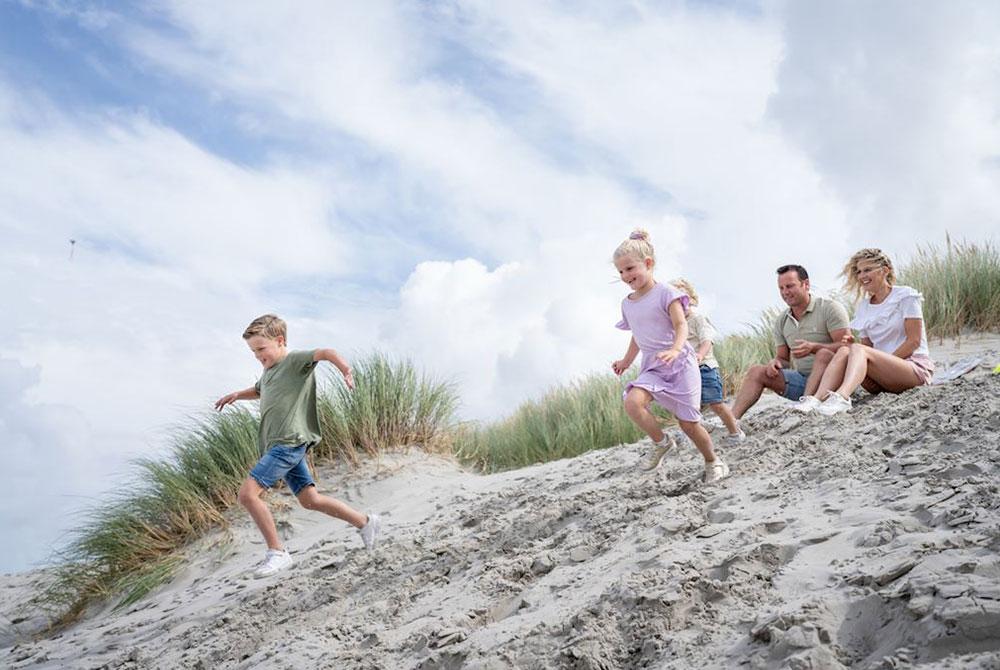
column 883, row 323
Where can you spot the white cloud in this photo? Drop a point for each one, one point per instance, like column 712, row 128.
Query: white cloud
column 896, row 104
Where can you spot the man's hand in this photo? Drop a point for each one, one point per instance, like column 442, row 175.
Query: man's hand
column 804, row 348
column 668, row 355
column 226, row 400
column 619, row 367
column 349, row 379
column 773, row 368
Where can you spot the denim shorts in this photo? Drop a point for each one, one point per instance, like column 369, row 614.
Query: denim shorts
column 795, row 384
column 711, row 385
column 281, row 462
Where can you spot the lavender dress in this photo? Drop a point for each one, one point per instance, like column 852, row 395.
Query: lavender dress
column 675, row 386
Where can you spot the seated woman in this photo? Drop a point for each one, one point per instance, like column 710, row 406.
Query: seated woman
column 892, row 355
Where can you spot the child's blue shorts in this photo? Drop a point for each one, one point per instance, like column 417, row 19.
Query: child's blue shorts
column 711, row 385
column 281, row 462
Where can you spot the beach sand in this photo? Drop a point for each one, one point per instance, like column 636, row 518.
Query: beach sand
column 865, row 540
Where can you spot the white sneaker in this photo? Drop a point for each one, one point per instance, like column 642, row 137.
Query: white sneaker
column 275, row 560
column 834, row 404
column 734, row 438
column 715, row 470
column 660, row 450
column 369, row 533
column 806, row 404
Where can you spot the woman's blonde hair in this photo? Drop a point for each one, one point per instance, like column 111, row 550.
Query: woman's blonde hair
column 685, row 285
column 850, row 271
column 636, row 246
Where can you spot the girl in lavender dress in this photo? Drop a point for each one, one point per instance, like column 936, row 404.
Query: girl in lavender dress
column 669, row 373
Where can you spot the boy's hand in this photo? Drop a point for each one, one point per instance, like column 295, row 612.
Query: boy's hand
column 349, row 380
column 226, row 400
column 619, row 367
column 668, row 355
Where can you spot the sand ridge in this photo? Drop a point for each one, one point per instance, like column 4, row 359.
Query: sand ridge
column 864, row 540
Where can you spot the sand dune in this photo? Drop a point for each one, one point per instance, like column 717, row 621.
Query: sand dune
column 867, row 540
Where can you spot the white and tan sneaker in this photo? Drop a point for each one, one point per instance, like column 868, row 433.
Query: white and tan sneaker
column 660, row 450
column 715, row 470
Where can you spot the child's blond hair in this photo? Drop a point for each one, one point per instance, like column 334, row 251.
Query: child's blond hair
column 637, row 246
column 850, row 271
column 685, row 285
column 269, row 326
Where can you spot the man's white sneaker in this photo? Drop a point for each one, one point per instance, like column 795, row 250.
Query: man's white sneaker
column 660, row 450
column 734, row 438
column 369, row 533
column 806, row 404
column 715, row 470
column 834, row 404
column 275, row 560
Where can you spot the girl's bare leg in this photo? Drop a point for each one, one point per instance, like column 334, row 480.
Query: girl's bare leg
column 637, row 407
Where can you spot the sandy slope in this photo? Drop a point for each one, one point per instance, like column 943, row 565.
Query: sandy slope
column 867, row 540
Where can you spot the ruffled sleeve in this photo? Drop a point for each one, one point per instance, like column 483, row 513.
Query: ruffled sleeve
column 623, row 324
column 669, row 294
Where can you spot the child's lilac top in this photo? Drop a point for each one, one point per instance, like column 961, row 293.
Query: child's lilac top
column 676, row 386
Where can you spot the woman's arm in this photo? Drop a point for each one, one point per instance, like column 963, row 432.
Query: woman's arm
column 913, row 328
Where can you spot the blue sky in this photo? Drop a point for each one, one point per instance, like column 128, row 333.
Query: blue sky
column 444, row 181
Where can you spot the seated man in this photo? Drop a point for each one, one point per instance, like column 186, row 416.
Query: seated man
column 806, row 335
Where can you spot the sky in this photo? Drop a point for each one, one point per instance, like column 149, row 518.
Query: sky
column 443, row 181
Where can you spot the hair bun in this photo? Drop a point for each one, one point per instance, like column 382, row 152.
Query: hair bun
column 639, row 234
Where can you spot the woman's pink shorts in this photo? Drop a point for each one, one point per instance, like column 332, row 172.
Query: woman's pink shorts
column 923, row 366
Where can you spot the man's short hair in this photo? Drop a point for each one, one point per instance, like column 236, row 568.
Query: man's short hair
column 799, row 270
column 269, row 325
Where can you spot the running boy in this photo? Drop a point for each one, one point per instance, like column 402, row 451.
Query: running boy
column 289, row 425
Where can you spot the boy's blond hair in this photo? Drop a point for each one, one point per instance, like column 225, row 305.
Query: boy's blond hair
column 637, row 246
column 269, row 326
column 685, row 285
column 850, row 272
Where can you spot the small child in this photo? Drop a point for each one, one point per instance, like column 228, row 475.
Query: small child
column 289, row 425
column 669, row 374
column 702, row 332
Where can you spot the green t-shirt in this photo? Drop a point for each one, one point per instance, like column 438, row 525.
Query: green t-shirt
column 288, row 414
column 822, row 317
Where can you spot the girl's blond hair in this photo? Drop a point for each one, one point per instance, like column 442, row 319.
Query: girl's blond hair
column 636, row 246
column 685, row 285
column 850, row 271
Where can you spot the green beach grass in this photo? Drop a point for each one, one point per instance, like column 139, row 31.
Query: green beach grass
column 961, row 287
column 134, row 542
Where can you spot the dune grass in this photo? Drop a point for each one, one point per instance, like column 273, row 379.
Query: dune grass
column 131, row 544
column 392, row 405
column 127, row 545
column 568, row 421
column 737, row 352
column 961, row 287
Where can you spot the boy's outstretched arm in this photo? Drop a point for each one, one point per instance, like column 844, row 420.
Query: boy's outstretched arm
column 245, row 394
column 338, row 361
